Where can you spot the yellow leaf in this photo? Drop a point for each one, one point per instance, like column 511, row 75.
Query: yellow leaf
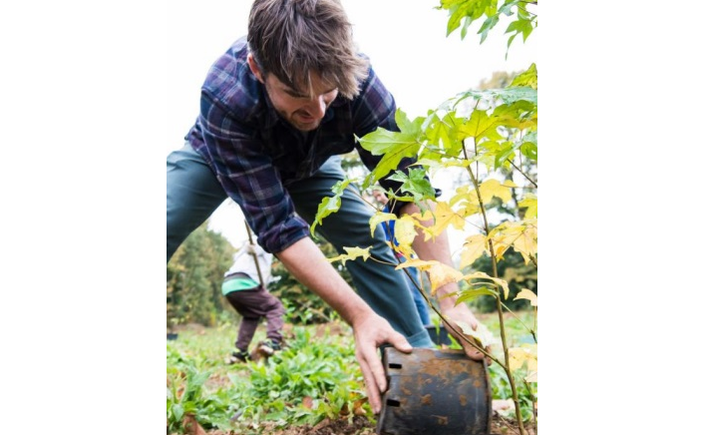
column 525, row 354
column 441, row 274
column 464, row 193
column 405, row 234
column 445, row 216
column 530, row 202
column 504, row 235
column 380, row 217
column 419, row 264
column 493, row 188
column 467, row 201
column 424, row 216
column 531, row 377
column 463, row 190
column 527, row 294
column 525, row 244
column 481, row 333
column 505, row 286
column 482, row 275
column 435, row 222
column 351, row 254
column 473, row 248
column 468, row 210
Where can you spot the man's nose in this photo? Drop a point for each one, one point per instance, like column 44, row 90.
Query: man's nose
column 317, row 107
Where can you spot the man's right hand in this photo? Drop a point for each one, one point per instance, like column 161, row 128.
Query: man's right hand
column 371, row 332
column 305, row 261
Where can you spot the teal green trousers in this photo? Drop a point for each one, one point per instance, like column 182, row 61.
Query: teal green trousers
column 193, row 194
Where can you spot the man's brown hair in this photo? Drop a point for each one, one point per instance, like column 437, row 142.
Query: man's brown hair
column 292, row 38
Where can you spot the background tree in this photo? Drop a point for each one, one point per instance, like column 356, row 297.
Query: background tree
column 195, row 274
column 303, row 306
column 498, row 80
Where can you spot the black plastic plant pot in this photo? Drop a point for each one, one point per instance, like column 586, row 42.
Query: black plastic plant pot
column 434, row 392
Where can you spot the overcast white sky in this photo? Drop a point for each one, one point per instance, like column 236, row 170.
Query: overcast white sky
column 406, row 42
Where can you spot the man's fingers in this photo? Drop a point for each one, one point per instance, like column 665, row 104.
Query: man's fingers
column 467, row 343
column 399, row 342
column 372, row 389
column 370, row 333
column 471, row 351
column 374, row 375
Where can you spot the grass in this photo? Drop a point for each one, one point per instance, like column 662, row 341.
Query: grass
column 315, row 377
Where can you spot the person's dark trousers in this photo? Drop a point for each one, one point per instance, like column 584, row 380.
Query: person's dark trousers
column 419, row 301
column 194, row 193
column 252, row 305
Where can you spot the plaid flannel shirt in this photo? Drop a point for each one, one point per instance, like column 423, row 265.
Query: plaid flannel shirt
column 255, row 153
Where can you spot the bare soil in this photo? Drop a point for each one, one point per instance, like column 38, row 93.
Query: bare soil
column 357, row 426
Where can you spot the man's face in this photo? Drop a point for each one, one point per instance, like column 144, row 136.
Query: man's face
column 302, row 111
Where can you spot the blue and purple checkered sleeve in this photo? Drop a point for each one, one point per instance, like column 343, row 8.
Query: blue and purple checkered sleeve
column 249, row 178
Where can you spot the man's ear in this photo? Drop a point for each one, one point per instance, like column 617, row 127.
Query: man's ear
column 254, row 67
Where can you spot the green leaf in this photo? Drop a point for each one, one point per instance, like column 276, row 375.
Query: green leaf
column 529, row 150
column 195, row 380
column 393, row 146
column 506, row 8
column 415, row 184
column 479, row 125
column 437, row 163
column 330, row 204
column 501, row 150
column 464, row 29
column 513, row 94
column 178, row 411
column 382, row 141
column 507, row 95
column 521, row 25
column 445, row 133
column 413, row 128
column 528, row 78
column 488, row 24
column 470, row 294
column 509, row 43
column 520, row 115
column 456, row 15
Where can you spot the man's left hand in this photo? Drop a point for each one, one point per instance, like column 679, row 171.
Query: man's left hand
column 461, row 313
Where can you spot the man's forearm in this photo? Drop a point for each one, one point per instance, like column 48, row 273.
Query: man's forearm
column 437, row 249
column 306, row 262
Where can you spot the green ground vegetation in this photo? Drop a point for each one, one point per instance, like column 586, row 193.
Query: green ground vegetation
column 314, row 377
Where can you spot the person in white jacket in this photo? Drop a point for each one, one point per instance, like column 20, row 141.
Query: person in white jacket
column 244, row 286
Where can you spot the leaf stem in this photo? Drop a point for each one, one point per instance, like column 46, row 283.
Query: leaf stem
column 523, row 173
column 493, row 257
